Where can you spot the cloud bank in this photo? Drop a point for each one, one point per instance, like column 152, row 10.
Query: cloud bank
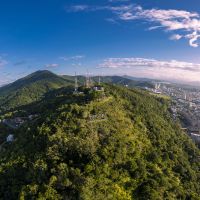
column 181, row 23
column 53, row 65
column 153, row 68
column 187, row 24
column 149, row 63
column 73, row 58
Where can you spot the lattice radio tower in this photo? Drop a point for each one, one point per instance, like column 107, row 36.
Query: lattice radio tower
column 76, row 83
column 87, row 83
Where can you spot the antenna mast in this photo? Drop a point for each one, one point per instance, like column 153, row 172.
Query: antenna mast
column 87, row 84
column 99, row 80
column 76, row 83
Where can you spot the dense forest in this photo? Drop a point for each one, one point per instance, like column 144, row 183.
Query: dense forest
column 119, row 144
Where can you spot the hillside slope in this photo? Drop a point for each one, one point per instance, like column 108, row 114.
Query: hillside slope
column 29, row 89
column 122, row 146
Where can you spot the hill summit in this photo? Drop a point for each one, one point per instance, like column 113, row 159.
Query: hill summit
column 29, row 89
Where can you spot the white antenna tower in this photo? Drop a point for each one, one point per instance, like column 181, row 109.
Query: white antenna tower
column 156, row 86
column 90, row 80
column 87, row 83
column 99, row 80
column 76, row 83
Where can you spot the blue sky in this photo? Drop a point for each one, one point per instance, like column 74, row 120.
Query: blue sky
column 156, row 39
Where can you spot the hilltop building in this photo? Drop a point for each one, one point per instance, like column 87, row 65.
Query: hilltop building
column 89, row 85
column 98, row 87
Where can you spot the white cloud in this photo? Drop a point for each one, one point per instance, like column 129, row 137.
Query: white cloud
column 76, row 64
column 185, row 24
column 52, row 65
column 193, row 37
column 77, row 57
column 188, row 23
column 77, row 8
column 149, row 63
column 85, row 8
column 176, row 37
column 153, row 68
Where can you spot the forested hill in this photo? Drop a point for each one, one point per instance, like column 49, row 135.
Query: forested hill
column 32, row 87
column 119, row 145
column 29, row 89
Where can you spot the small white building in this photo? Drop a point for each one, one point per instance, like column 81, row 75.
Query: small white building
column 10, row 138
column 98, row 88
